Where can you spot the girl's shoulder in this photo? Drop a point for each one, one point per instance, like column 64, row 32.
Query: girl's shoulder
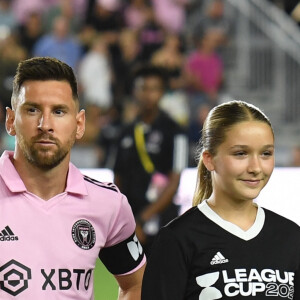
column 275, row 222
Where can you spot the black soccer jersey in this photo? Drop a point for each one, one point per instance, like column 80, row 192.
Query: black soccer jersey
column 201, row 256
column 166, row 145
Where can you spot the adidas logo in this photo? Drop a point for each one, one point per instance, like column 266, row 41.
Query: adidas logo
column 7, row 235
column 219, row 259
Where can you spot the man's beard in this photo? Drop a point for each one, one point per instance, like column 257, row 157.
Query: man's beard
column 43, row 158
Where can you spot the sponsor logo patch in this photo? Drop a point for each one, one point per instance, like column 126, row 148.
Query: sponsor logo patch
column 14, row 277
column 135, row 248
column 219, row 259
column 247, row 283
column 7, row 235
column 83, row 234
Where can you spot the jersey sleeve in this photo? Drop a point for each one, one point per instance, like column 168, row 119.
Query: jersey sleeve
column 297, row 285
column 167, row 269
column 297, row 275
column 120, row 163
column 123, row 252
column 180, row 152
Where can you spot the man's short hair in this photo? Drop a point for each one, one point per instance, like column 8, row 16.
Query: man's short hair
column 43, row 68
column 148, row 70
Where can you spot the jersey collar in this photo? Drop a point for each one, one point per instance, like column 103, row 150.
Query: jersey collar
column 9, row 174
column 12, row 179
column 75, row 181
column 247, row 235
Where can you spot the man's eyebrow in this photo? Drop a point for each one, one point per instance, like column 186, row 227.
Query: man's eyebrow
column 29, row 103
column 60, row 106
column 55, row 106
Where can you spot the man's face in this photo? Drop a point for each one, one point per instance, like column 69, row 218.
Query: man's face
column 45, row 122
column 148, row 92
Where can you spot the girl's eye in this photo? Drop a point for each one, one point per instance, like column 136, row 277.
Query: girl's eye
column 267, row 153
column 240, row 153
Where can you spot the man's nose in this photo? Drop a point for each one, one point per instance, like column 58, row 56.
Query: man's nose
column 45, row 123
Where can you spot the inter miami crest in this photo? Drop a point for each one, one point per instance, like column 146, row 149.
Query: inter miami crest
column 83, row 234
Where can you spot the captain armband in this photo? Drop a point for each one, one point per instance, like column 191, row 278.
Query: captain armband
column 123, row 257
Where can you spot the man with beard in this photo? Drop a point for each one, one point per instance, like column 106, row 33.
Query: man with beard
column 54, row 221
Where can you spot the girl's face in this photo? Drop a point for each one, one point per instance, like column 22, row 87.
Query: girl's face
column 244, row 162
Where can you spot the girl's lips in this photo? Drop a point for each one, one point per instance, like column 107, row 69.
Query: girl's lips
column 252, row 182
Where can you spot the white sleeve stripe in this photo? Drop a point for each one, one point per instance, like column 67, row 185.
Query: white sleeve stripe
column 180, row 157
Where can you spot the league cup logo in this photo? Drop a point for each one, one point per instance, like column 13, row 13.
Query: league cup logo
column 206, row 281
column 83, row 234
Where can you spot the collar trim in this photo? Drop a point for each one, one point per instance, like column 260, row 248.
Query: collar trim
column 247, row 235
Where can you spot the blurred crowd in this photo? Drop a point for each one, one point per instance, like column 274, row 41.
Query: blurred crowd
column 105, row 41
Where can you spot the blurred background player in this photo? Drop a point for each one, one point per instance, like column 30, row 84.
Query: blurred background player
column 152, row 152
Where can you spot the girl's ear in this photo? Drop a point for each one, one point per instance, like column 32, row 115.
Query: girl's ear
column 207, row 159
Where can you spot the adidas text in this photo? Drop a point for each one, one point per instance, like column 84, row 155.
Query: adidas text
column 8, row 238
column 222, row 261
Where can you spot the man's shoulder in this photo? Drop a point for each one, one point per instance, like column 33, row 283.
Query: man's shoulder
column 167, row 123
column 80, row 183
column 127, row 129
column 103, row 194
column 94, row 184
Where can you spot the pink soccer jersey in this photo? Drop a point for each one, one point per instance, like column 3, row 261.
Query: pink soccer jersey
column 48, row 249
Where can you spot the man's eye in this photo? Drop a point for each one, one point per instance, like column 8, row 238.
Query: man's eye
column 59, row 112
column 32, row 110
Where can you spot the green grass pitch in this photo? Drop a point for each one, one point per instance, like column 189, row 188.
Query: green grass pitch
column 105, row 285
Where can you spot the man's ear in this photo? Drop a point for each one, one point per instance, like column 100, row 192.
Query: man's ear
column 80, row 124
column 208, row 160
column 9, row 121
